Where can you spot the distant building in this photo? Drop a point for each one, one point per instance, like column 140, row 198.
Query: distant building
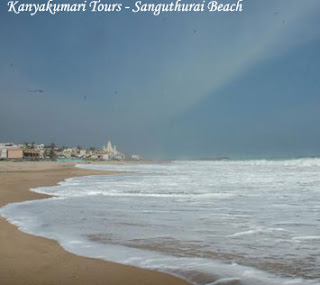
column 106, row 157
column 119, row 156
column 135, row 157
column 75, row 151
column 111, row 152
column 10, row 151
column 14, row 153
column 3, row 153
column 31, row 153
column 67, row 152
column 109, row 149
column 40, row 146
column 40, row 151
column 100, row 154
column 82, row 153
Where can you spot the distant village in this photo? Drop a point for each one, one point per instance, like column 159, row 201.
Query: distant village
column 34, row 151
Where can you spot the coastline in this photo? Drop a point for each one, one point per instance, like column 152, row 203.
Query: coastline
column 30, row 259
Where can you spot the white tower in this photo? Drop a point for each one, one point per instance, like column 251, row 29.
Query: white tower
column 109, row 148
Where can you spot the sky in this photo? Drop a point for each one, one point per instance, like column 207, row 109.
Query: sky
column 242, row 85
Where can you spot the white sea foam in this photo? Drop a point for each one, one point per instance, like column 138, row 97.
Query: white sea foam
column 258, row 231
column 307, row 238
column 253, row 222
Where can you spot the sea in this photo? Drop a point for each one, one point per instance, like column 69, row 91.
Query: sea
column 250, row 222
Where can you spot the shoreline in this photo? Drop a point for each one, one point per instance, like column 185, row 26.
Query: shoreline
column 30, row 259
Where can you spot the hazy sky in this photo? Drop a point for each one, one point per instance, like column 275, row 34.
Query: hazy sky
column 180, row 86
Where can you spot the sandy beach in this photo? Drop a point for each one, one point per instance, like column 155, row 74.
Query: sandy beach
column 27, row 259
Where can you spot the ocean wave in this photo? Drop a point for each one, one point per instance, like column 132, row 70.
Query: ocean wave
column 226, row 221
column 257, row 231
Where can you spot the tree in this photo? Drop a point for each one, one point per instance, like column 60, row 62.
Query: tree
column 52, row 153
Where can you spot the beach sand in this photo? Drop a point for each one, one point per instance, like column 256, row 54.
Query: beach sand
column 26, row 259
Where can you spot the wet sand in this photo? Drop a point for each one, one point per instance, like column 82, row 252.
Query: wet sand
column 27, row 259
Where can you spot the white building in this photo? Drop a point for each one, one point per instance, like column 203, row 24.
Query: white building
column 82, row 153
column 67, row 152
column 3, row 153
column 111, row 152
column 135, row 157
column 106, row 156
column 109, row 149
column 4, row 149
column 40, row 146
